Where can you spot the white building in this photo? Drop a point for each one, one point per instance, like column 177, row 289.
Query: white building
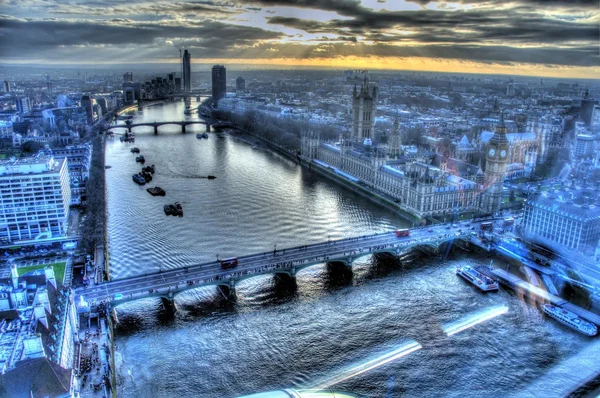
column 584, row 145
column 34, row 198
column 569, row 218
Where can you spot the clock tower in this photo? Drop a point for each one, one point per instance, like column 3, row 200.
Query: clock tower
column 496, row 156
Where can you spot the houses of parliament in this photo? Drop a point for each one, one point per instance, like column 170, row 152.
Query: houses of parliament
column 423, row 184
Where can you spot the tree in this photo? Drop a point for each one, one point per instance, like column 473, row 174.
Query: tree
column 30, row 147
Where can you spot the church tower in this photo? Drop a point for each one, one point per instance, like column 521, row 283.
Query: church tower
column 496, row 156
column 310, row 142
column 395, row 141
column 364, row 104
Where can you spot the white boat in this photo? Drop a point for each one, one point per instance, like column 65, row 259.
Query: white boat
column 570, row 319
column 483, row 282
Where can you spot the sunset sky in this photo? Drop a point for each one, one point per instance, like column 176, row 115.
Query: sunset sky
column 528, row 37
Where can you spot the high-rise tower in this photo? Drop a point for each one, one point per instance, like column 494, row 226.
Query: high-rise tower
column 219, row 82
column 364, row 103
column 495, row 167
column 187, row 71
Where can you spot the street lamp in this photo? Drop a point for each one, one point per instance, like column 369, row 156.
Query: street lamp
column 217, row 258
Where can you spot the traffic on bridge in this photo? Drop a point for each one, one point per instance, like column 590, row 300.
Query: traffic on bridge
column 167, row 284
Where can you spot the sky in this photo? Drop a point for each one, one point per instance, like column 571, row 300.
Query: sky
column 525, row 37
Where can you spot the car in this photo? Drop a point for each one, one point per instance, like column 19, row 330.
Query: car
column 430, row 230
column 118, row 296
column 448, row 227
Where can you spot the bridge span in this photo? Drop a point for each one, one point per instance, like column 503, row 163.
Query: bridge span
column 183, row 123
column 167, row 284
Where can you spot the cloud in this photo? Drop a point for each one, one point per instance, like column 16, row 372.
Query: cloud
column 538, row 32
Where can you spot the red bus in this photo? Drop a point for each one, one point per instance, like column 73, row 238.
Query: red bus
column 402, row 232
column 229, row 262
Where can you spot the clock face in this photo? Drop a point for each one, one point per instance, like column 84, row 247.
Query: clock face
column 492, row 152
column 503, row 153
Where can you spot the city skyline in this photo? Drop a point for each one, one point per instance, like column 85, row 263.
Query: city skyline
column 522, row 37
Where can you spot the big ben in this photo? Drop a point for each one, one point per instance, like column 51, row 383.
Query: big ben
column 496, row 155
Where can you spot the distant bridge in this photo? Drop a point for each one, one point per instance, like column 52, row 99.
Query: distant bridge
column 289, row 261
column 183, row 123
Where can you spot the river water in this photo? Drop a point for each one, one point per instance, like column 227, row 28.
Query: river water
column 284, row 335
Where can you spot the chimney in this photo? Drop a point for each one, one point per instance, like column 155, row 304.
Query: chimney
column 49, row 271
column 40, row 314
column 42, row 297
column 15, row 276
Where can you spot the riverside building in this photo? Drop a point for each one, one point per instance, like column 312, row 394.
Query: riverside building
column 569, row 218
column 35, row 195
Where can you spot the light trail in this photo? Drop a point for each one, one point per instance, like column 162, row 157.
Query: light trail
column 474, row 319
column 404, row 350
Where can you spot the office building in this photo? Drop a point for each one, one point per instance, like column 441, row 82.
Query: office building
column 79, row 160
column 569, row 218
column 6, row 86
column 584, row 145
column 587, row 108
column 35, row 195
column 240, row 85
column 187, row 71
column 88, row 106
column 6, row 129
column 219, row 83
column 128, row 77
column 49, row 86
column 23, row 105
column 596, row 119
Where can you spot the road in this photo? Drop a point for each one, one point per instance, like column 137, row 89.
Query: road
column 286, row 260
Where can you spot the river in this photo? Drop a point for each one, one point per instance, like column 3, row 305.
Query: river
column 284, row 335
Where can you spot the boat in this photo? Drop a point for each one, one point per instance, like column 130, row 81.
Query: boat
column 204, row 135
column 211, row 177
column 107, row 167
column 135, row 150
column 139, row 179
column 570, row 319
column 170, row 210
column 483, row 282
column 149, row 169
column 156, row 191
column 198, row 135
column 140, row 159
column 179, row 209
column 147, row 176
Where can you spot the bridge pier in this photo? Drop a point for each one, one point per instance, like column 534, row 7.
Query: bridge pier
column 155, row 129
column 169, row 304
column 207, row 127
column 129, row 129
column 228, row 291
column 285, row 283
column 183, row 128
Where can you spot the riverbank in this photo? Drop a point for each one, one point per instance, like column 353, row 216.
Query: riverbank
column 360, row 190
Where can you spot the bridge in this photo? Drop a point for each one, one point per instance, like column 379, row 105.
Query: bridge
column 183, row 123
column 286, row 262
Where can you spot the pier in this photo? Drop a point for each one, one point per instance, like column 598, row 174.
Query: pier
column 541, row 295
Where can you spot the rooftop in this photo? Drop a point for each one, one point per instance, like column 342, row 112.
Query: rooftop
column 30, row 165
